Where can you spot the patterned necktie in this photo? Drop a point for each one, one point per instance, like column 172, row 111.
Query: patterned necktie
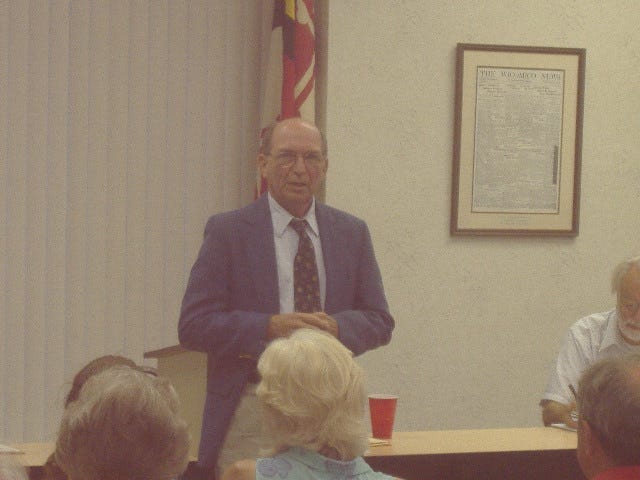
column 306, row 286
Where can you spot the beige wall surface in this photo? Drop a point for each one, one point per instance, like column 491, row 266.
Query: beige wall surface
column 115, row 143
column 479, row 319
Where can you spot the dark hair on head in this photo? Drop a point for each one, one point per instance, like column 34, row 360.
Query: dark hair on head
column 96, row 366
column 609, row 401
column 267, row 137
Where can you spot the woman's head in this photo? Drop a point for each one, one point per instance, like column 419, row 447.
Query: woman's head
column 312, row 393
column 123, row 425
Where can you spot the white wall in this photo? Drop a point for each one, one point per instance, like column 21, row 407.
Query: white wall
column 479, row 320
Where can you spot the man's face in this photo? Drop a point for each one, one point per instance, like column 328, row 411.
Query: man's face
column 629, row 307
column 295, row 166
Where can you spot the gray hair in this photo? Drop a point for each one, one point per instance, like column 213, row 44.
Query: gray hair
column 621, row 270
column 123, row 426
column 609, row 401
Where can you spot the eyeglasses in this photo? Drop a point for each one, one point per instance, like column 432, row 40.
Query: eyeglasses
column 287, row 158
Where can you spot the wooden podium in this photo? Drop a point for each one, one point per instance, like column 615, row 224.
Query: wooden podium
column 187, row 371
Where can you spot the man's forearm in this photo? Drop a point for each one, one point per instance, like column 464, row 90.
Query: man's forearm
column 556, row 412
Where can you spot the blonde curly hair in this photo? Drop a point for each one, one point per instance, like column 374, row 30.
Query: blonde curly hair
column 312, row 394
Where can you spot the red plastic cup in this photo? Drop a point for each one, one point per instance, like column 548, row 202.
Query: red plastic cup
column 382, row 409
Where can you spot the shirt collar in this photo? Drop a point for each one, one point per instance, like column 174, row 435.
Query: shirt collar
column 338, row 468
column 281, row 218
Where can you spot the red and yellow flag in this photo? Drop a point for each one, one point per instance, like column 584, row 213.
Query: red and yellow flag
column 290, row 77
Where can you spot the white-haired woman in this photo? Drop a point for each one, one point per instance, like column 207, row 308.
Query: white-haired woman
column 312, row 397
column 123, row 426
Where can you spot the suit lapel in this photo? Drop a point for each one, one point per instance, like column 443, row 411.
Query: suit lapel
column 260, row 249
column 331, row 247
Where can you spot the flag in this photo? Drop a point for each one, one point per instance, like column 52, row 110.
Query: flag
column 289, row 87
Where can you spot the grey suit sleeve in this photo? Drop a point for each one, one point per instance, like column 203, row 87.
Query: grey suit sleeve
column 212, row 319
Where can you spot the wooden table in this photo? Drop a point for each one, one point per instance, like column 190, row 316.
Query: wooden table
column 33, row 454
column 492, row 454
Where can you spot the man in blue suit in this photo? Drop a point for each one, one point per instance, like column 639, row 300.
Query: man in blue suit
column 240, row 292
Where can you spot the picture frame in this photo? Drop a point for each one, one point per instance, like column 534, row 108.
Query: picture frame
column 517, row 140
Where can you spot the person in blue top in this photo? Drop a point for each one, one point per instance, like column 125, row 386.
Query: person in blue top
column 313, row 403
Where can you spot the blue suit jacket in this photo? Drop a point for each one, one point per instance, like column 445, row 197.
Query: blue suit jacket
column 233, row 290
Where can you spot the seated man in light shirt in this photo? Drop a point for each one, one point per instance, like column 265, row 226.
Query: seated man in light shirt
column 592, row 338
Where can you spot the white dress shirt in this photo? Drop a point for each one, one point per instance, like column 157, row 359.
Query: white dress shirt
column 588, row 340
column 286, row 244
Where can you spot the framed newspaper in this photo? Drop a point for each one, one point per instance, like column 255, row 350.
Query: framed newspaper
column 517, row 140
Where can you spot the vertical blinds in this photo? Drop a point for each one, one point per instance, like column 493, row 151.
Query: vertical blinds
column 123, row 126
